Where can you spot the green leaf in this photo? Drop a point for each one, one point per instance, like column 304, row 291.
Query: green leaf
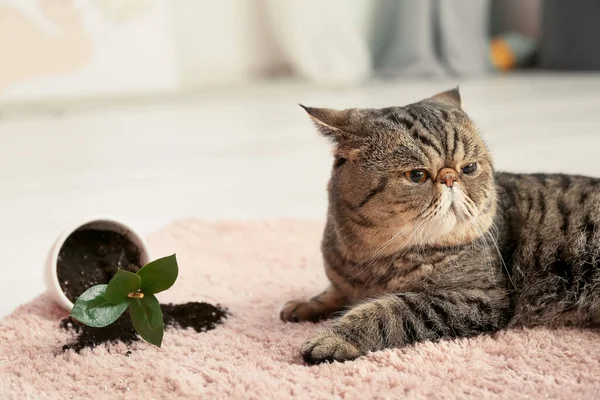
column 159, row 275
column 123, row 283
column 147, row 318
column 92, row 308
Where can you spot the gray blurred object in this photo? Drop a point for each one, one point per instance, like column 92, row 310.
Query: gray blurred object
column 520, row 16
column 320, row 40
column 403, row 38
column 570, row 33
column 430, row 37
column 464, row 35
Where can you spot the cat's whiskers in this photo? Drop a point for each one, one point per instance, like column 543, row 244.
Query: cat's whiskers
column 406, row 248
column 484, row 235
column 356, row 241
column 494, row 228
column 396, row 255
column 485, row 249
column 472, row 214
column 425, row 218
column 421, row 243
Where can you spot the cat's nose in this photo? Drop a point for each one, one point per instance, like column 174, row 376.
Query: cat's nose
column 447, row 176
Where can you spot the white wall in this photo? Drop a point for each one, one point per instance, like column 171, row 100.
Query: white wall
column 68, row 49
column 223, row 41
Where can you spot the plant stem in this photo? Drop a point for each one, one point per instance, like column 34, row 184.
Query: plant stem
column 136, row 295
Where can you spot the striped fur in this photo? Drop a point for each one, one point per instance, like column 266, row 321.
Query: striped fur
column 409, row 262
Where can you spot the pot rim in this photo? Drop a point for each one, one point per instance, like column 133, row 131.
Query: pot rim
column 52, row 283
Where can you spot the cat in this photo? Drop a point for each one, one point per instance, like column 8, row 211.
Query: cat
column 424, row 240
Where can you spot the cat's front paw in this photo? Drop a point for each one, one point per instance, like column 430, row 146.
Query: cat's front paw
column 299, row 310
column 328, row 346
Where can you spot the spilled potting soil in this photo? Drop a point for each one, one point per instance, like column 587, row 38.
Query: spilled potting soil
column 201, row 317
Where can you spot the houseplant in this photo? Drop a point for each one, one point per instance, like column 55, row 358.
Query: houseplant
column 103, row 304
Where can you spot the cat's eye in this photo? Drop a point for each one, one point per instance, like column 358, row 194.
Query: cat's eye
column 469, row 169
column 417, row 175
column 338, row 162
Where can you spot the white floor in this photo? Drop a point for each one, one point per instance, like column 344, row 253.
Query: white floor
column 247, row 153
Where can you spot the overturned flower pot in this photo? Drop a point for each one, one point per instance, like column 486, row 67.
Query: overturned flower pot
column 89, row 253
column 100, row 271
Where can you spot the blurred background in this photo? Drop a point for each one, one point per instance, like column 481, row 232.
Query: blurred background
column 155, row 110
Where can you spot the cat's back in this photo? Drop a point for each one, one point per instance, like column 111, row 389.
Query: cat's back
column 550, row 206
column 550, row 232
column 543, row 195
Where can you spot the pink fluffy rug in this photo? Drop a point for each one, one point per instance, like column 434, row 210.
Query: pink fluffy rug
column 252, row 269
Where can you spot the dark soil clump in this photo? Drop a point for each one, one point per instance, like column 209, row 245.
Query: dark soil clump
column 201, row 317
column 91, row 257
column 119, row 331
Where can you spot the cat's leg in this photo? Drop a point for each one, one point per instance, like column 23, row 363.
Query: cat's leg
column 398, row 320
column 322, row 306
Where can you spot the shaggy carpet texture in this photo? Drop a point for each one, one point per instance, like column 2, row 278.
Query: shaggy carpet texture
column 252, row 269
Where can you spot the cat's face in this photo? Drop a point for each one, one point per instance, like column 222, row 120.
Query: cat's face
column 406, row 176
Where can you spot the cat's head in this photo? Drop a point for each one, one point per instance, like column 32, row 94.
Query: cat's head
column 409, row 176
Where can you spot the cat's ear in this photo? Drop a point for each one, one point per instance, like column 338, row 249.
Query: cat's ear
column 335, row 125
column 331, row 123
column 451, row 96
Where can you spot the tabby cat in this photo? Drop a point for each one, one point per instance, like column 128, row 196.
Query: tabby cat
column 424, row 240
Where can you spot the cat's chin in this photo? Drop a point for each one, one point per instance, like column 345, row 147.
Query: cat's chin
column 453, row 225
column 451, row 229
column 440, row 227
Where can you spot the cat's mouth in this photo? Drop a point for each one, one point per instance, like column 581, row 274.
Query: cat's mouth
column 453, row 214
column 457, row 206
column 455, row 209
